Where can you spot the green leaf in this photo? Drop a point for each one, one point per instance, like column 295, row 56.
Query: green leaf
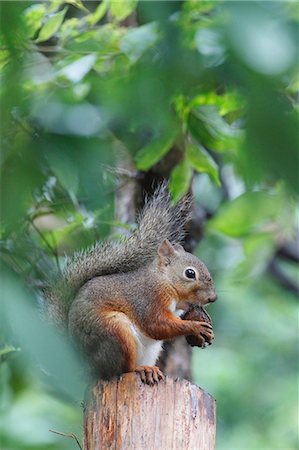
column 122, row 9
column 104, row 41
column 201, row 161
column 258, row 251
column 55, row 4
column 65, row 169
column 253, row 245
column 250, row 212
column 211, row 130
column 4, row 58
column 51, row 26
column 99, row 13
column 138, row 40
column 78, row 4
column 77, row 70
column 228, row 102
column 64, row 234
column 7, row 350
column 69, row 29
column 48, row 349
column 180, row 179
column 215, row 124
column 154, row 151
column 34, row 18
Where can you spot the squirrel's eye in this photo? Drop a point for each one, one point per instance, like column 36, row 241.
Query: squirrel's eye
column 190, row 273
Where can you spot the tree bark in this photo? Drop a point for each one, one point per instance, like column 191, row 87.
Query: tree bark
column 127, row 414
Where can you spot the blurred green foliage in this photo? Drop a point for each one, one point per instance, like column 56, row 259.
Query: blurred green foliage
column 82, row 85
column 252, row 367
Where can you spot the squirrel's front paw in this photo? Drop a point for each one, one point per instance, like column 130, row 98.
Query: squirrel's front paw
column 203, row 332
column 150, row 374
column 206, row 332
column 202, row 337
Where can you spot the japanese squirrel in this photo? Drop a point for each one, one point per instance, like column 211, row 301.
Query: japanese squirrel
column 120, row 301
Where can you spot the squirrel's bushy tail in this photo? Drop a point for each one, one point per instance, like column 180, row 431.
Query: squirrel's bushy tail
column 158, row 220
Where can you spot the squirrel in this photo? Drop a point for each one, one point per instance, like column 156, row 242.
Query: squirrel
column 120, row 301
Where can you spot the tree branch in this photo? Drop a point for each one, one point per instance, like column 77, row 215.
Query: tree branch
column 289, row 252
column 281, row 277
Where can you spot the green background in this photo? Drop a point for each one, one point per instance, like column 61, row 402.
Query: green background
column 82, row 85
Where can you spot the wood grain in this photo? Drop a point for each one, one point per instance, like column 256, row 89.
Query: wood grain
column 129, row 415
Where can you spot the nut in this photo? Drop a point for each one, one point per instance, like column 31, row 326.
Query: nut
column 198, row 313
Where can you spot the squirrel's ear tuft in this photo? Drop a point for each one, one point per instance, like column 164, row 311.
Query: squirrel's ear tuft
column 166, row 250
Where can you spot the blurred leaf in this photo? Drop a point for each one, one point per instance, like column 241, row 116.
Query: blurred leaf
column 98, row 14
column 4, row 58
column 253, row 244
column 83, row 119
column 49, row 349
column 180, row 180
column 259, row 250
column 24, row 167
column 248, row 213
column 137, row 40
column 65, row 169
column 218, row 67
column 225, row 103
column 208, row 42
column 77, row 70
column 267, row 45
column 78, row 4
column 103, row 41
column 51, row 26
column 122, row 9
column 201, row 161
column 30, row 412
column 34, row 16
column 6, row 351
column 60, row 237
column 211, row 130
column 155, row 150
column 271, row 147
column 54, row 5
column 69, row 29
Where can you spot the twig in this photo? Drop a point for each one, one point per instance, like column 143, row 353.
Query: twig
column 51, row 49
column 70, row 435
column 52, row 250
column 7, row 257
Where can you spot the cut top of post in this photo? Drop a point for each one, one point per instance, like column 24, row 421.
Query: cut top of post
column 127, row 414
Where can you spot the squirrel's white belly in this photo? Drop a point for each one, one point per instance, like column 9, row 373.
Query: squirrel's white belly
column 148, row 349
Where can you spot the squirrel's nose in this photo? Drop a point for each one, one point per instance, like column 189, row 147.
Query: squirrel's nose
column 212, row 298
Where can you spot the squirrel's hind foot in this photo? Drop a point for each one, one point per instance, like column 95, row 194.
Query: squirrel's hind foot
column 150, row 374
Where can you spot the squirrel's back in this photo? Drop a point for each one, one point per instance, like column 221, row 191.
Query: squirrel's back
column 158, row 220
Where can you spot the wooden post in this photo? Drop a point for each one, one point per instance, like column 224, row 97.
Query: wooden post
column 129, row 415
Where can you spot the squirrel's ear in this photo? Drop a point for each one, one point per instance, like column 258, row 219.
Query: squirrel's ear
column 166, row 250
column 178, row 248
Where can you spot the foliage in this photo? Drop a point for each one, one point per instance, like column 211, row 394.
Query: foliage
column 84, row 83
column 251, row 367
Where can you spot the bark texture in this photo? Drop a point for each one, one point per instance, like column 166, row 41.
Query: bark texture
column 129, row 415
